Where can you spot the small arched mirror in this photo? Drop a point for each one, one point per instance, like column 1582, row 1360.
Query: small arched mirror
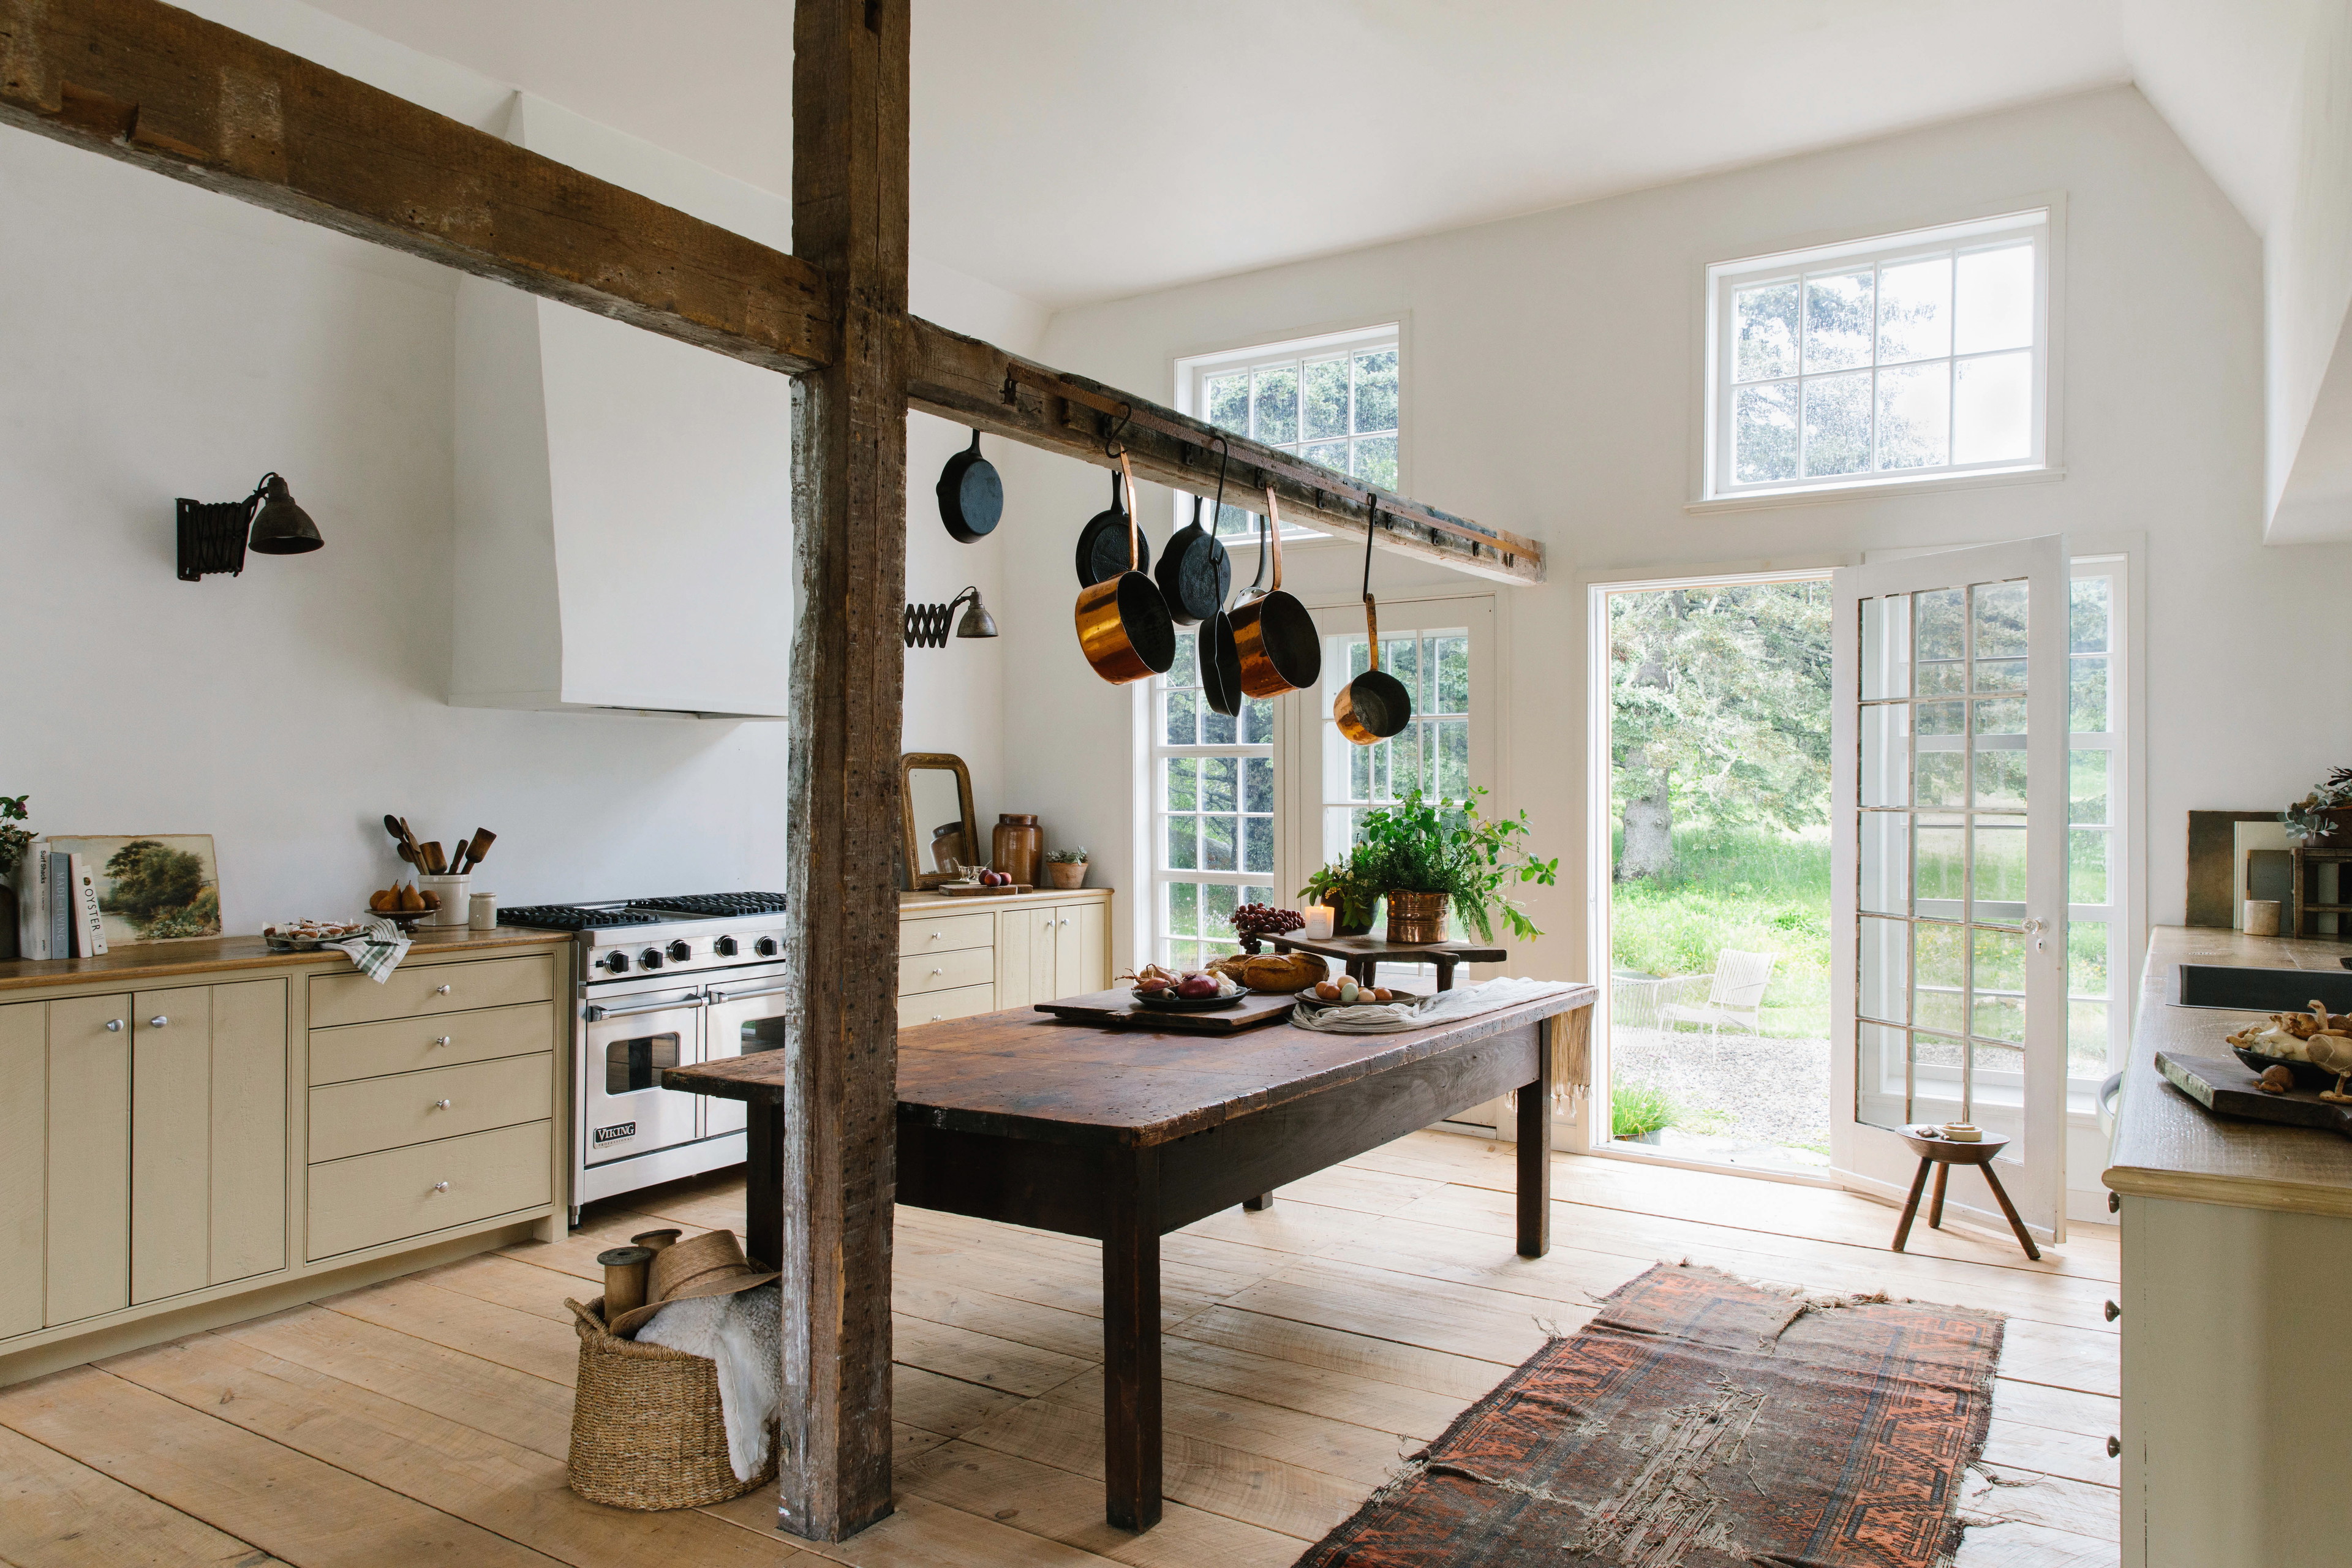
column 942, row 831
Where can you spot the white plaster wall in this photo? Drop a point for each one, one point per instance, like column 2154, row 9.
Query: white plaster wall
column 2308, row 263
column 1551, row 372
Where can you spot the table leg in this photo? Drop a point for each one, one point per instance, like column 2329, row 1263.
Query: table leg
column 1259, row 1203
column 1911, row 1206
column 1445, row 973
column 1936, row 1200
column 763, row 1183
column 1535, row 1150
column 2024, row 1238
column 1131, row 1341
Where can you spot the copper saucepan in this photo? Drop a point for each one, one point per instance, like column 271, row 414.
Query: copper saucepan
column 1124, row 626
column 1279, row 647
column 1375, row 705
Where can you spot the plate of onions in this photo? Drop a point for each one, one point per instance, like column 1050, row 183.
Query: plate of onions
column 1192, row 990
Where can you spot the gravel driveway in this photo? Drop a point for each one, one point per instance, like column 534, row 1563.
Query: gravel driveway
column 1774, row 1091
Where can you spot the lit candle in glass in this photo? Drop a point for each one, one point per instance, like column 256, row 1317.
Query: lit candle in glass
column 1319, row 922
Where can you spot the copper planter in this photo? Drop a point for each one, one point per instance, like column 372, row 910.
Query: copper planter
column 1417, row 917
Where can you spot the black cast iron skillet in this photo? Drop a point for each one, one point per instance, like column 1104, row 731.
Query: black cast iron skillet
column 1375, row 705
column 1279, row 646
column 971, row 496
column 1103, row 543
column 1194, row 572
column 1220, row 661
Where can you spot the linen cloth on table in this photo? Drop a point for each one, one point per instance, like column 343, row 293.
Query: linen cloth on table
column 377, row 951
column 1572, row 1059
column 743, row 1335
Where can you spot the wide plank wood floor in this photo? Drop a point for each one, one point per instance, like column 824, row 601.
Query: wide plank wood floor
column 1310, row 1349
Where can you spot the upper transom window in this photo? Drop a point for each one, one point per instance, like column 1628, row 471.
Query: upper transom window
column 1907, row 357
column 1333, row 400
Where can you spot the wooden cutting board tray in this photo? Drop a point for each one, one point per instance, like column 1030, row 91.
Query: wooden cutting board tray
column 1119, row 1009
column 2225, row 1086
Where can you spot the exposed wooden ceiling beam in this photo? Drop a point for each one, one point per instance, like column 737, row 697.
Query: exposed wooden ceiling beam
column 156, row 86
column 967, row 381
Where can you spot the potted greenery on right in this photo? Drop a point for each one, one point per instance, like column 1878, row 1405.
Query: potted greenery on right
column 1428, row 856
column 1067, row 868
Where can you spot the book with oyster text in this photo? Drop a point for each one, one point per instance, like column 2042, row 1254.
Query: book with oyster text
column 88, row 920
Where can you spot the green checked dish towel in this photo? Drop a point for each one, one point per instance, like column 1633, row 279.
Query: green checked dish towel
column 377, row 951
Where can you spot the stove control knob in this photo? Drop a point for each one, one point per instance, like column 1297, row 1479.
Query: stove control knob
column 724, row 947
column 679, row 953
column 615, row 961
column 651, row 958
column 765, row 947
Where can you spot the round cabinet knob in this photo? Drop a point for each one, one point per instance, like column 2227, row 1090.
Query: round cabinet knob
column 2113, row 1311
column 765, row 947
column 114, row 1026
column 679, row 952
column 724, row 947
column 650, row 959
column 441, row 991
column 936, row 935
column 936, row 1016
column 2115, row 1448
column 440, row 1105
column 1065, row 923
column 440, row 1187
column 618, row 963
column 938, row 971
column 158, row 1021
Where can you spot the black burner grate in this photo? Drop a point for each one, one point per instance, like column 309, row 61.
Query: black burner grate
column 571, row 917
column 718, row 903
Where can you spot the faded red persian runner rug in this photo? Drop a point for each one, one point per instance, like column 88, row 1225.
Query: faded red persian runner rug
column 1702, row 1422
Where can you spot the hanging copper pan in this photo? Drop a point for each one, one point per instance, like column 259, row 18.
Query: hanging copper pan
column 1279, row 647
column 1375, row 705
column 1124, row 628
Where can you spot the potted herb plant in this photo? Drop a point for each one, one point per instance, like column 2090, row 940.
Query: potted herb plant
column 1067, row 868
column 13, row 843
column 1345, row 886
column 1430, row 856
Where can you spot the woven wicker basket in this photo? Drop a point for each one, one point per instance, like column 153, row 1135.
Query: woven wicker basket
column 647, row 1428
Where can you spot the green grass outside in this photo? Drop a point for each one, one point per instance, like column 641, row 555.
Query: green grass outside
column 1753, row 890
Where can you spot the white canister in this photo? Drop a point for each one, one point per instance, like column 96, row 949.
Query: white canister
column 482, row 911
column 2262, row 917
column 451, row 890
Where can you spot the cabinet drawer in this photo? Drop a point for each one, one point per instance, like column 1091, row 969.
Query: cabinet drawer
column 376, row 1113
column 931, row 1006
column 376, row 1198
column 922, row 971
column 413, row 1045
column 420, row 989
column 944, row 933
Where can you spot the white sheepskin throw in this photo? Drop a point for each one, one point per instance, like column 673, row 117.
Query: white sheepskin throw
column 743, row 1334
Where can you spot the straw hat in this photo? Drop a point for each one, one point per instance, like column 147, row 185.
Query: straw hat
column 711, row 1264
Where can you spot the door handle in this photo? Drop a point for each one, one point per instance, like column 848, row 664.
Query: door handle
column 719, row 997
column 596, row 1015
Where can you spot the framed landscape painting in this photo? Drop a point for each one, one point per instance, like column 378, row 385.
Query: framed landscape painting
column 153, row 886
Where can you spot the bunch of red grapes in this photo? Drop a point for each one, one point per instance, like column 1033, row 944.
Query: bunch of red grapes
column 1253, row 922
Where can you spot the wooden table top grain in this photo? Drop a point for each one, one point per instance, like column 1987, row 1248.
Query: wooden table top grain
column 2166, row 1144
column 1027, row 1074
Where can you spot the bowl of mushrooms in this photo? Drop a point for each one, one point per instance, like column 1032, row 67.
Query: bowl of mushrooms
column 2314, row 1048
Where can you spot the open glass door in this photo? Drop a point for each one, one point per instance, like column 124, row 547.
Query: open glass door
column 1949, row 866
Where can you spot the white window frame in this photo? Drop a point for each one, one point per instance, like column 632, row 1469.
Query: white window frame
column 2043, row 226
column 2121, row 827
column 1275, row 750
column 1194, row 371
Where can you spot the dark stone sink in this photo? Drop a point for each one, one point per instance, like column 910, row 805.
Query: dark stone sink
column 2264, row 990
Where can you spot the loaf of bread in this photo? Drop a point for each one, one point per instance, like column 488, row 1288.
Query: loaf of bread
column 1273, row 974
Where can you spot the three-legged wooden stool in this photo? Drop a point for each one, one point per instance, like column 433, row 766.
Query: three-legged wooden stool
column 1943, row 1154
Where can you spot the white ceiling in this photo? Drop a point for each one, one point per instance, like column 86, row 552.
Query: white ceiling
column 1070, row 150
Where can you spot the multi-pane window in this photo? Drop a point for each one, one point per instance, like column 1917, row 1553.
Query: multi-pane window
column 1433, row 751
column 1213, row 791
column 2096, row 1016
column 1332, row 400
column 1915, row 355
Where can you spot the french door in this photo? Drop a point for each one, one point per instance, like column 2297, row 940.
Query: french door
column 1948, row 955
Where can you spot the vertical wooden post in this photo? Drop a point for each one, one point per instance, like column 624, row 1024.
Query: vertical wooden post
column 1535, row 1147
column 1131, row 1408
column 849, row 220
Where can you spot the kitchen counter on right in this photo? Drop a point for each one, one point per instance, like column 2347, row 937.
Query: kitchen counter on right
column 2165, row 1145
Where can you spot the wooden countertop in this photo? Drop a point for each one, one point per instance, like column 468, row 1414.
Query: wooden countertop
column 155, row 961
column 2165, row 1145
column 1027, row 1074
column 931, row 903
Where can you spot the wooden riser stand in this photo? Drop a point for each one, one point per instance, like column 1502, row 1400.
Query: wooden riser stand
column 2307, row 862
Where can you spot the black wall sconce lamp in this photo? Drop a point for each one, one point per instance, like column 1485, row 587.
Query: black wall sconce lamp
column 927, row 624
column 215, row 535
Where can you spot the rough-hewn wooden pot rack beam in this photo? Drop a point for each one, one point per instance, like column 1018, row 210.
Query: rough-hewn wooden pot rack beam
column 977, row 384
column 161, row 88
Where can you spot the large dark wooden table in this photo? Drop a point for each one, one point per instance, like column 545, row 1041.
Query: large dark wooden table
column 1361, row 956
column 1123, row 1135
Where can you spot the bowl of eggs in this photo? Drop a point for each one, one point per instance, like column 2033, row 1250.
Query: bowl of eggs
column 1345, row 992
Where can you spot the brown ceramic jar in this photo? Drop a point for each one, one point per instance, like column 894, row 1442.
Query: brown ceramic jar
column 1018, row 845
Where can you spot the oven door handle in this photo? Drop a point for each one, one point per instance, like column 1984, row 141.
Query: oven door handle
column 719, row 997
column 598, row 1015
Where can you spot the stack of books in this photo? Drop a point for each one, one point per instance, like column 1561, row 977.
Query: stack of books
column 57, row 905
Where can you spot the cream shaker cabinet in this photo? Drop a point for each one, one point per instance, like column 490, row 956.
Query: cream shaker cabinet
column 958, row 957
column 148, row 1130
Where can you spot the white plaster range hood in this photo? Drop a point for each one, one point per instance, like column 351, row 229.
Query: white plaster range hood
column 623, row 503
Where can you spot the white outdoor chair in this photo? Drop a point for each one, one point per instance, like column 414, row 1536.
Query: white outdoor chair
column 1735, row 994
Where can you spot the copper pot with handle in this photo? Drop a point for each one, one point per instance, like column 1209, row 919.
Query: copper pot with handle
column 1274, row 636
column 1124, row 626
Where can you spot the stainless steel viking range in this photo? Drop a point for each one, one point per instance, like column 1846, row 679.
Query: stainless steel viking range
column 665, row 983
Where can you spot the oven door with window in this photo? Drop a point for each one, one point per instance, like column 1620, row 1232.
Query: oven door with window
column 632, row 1039
column 746, row 1014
